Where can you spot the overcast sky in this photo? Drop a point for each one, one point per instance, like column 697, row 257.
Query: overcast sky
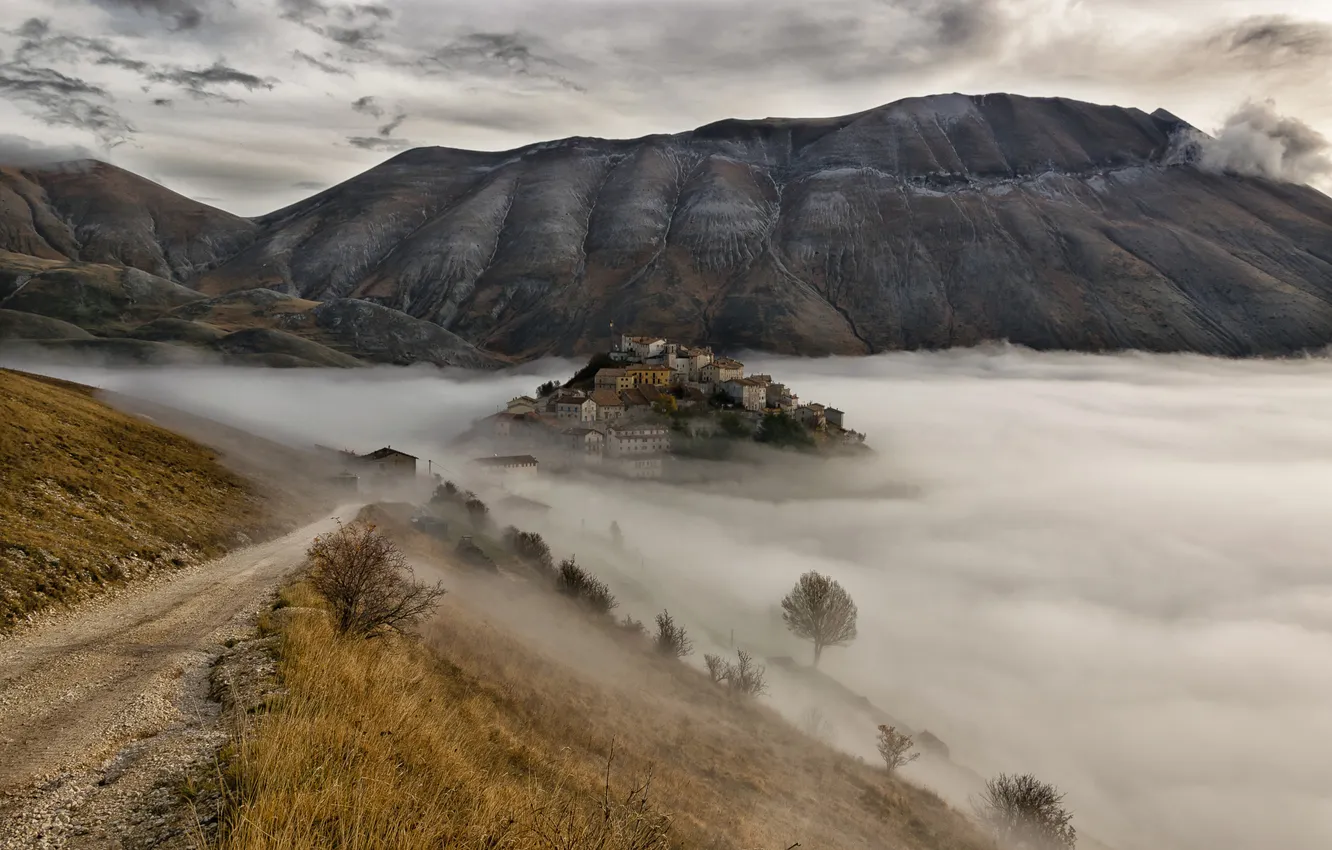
column 252, row 104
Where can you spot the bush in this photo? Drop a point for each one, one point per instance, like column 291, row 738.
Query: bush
column 745, row 676
column 530, row 548
column 477, row 510
column 671, row 638
column 445, row 493
column 364, row 577
column 895, row 748
column 575, row 582
column 1025, row 813
column 547, row 389
column 632, row 627
column 716, row 667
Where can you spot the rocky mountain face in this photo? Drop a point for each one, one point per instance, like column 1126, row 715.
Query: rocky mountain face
column 931, row 222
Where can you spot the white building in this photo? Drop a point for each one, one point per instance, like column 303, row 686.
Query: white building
column 585, row 441
column 810, row 415
column 746, row 392
column 640, row 348
column 576, row 408
column 517, row 466
column 638, row 439
column 721, row 370
column 640, row 466
column 521, row 404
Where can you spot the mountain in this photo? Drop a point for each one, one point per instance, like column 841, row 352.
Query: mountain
column 930, row 222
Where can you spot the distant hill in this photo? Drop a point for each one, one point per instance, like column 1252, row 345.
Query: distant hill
column 926, row 223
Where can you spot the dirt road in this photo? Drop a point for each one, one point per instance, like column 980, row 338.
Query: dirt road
column 101, row 708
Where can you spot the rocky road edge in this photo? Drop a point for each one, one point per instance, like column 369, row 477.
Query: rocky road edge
column 164, row 790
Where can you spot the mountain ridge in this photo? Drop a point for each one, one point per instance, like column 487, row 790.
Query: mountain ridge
column 923, row 223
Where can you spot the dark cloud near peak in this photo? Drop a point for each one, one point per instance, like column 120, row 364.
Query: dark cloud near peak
column 26, row 153
column 162, row 101
column 309, row 185
column 54, row 97
column 378, row 143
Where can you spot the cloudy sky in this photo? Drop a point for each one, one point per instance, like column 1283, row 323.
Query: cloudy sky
column 252, row 104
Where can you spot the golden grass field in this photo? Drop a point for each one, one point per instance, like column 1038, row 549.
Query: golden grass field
column 91, row 496
column 474, row 737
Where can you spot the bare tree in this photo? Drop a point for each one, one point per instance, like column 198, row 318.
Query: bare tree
column 366, row 580
column 716, row 667
column 1024, row 813
column 819, row 610
column 671, row 638
column 895, row 747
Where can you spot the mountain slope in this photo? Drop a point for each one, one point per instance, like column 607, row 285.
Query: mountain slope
column 929, row 222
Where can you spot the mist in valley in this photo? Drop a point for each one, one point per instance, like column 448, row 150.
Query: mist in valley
column 1111, row 571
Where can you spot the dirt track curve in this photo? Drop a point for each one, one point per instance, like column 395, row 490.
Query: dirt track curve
column 102, row 706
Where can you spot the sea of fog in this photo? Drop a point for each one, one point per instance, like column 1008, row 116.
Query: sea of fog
column 1112, row 571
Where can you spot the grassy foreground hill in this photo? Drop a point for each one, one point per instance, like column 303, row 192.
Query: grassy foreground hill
column 93, row 496
column 517, row 721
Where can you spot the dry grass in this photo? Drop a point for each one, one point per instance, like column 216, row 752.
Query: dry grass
column 475, row 738
column 92, row 496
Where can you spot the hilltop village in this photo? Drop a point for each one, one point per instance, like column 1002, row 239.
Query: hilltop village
column 647, row 399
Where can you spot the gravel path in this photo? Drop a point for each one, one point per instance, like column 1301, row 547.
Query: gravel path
column 104, row 711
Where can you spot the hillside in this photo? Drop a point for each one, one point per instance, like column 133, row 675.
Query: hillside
column 516, row 722
column 926, row 223
column 94, row 497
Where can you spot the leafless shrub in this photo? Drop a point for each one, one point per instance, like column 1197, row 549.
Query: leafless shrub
column 1024, row 813
column 746, row 676
column 814, row 724
column 628, row 822
column 365, row 578
column 671, row 637
column 818, row 609
column 895, row 748
column 632, row 627
column 577, row 583
column 716, row 667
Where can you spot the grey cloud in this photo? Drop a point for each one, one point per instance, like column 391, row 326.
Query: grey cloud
column 183, row 14
column 24, row 152
column 201, row 83
column 322, row 64
column 499, row 53
column 368, row 105
column 378, row 143
column 61, row 100
column 393, row 124
column 1272, row 42
column 1257, row 141
column 357, row 29
column 161, row 101
column 309, row 185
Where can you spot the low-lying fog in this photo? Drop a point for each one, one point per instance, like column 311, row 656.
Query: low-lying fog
column 1114, row 572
